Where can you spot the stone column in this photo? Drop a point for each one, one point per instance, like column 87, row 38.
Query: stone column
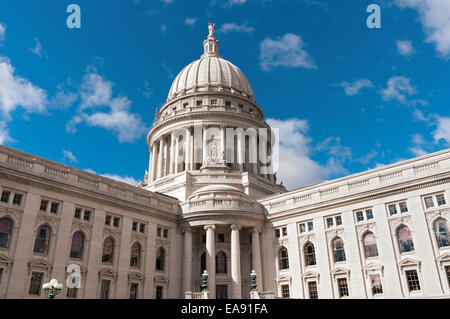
column 204, row 150
column 240, row 150
column 223, row 144
column 176, row 154
column 188, row 153
column 124, row 251
column 256, row 257
column 236, row 262
column 166, row 159
column 153, row 163
column 160, row 158
column 211, row 259
column 253, row 153
column 172, row 152
column 187, row 261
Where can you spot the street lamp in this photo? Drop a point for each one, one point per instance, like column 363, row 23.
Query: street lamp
column 52, row 288
column 205, row 281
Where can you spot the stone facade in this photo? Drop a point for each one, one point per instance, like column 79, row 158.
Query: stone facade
column 206, row 204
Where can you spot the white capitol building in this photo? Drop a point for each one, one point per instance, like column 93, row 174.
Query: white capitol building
column 211, row 202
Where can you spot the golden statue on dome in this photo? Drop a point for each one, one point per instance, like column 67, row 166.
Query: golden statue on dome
column 211, row 29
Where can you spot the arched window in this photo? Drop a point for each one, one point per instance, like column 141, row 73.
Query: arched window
column 221, row 263
column 442, row 234
column 76, row 250
column 370, row 245
column 160, row 256
column 283, row 258
column 202, row 263
column 338, row 249
column 135, row 260
column 108, row 251
column 42, row 240
column 405, row 242
column 310, row 254
column 5, row 232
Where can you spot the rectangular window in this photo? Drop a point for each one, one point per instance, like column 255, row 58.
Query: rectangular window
column 36, row 283
column 428, row 202
column 185, row 105
column 440, row 199
column 403, row 207
column 44, row 204
column 392, row 209
column 54, row 208
column 166, row 233
column 135, row 224
column 142, row 228
column 17, row 199
column 116, row 221
column 104, row 290
column 338, row 220
column 302, row 228
column 359, row 216
column 310, row 226
column 158, row 231
column 72, row 292
column 343, row 287
column 329, row 222
column 5, row 196
column 77, row 213
column 312, row 289
column 221, row 238
column 277, row 233
column 285, row 291
column 413, row 280
column 199, row 103
column 227, row 103
column 369, row 214
column 284, row 230
column 375, row 282
column 213, row 102
column 107, row 220
column 159, row 292
column 447, row 273
column 134, row 290
column 1, row 275
column 87, row 215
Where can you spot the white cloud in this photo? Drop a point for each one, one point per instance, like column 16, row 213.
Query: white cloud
column 163, row 28
column 230, row 3
column 398, row 88
column 16, row 91
column 405, row 48
column 68, row 155
column 190, row 21
column 167, row 1
column 286, row 51
column 295, row 151
column 418, row 144
column 435, row 19
column 443, row 130
column 4, row 134
column 37, row 50
column 124, row 179
column 2, row 32
column 233, row 27
column 357, row 85
column 96, row 93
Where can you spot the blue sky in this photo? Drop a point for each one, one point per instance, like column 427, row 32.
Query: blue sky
column 346, row 98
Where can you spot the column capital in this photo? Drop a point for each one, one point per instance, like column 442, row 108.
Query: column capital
column 257, row 229
column 235, row 227
column 186, row 229
column 210, row 227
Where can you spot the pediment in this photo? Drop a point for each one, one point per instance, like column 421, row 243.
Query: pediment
column 311, row 274
column 39, row 263
column 409, row 262
column 107, row 273
column 161, row 280
column 284, row 278
column 5, row 260
column 443, row 258
column 373, row 267
column 340, row 271
column 136, row 275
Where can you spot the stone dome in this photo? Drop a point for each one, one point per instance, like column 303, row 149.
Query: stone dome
column 210, row 73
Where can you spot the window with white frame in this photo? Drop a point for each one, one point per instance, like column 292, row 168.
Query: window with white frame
column 447, row 274
column 312, row 290
column 134, row 288
column 395, row 208
column 333, row 221
column 412, row 278
column 440, row 199
column 310, row 254
column 342, row 287
column 11, row 197
column 370, row 244
column 83, row 213
column 36, row 283
column 362, row 215
column 6, row 228
column 306, row 227
column 162, row 232
column 404, row 237
column 159, row 292
column 283, row 258
column 442, row 233
column 428, row 201
column 104, row 288
column 281, row 232
column 285, row 291
column 376, row 285
column 434, row 200
column 338, row 250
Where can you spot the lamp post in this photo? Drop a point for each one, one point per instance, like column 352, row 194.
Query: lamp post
column 205, row 281
column 52, row 288
column 253, row 279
